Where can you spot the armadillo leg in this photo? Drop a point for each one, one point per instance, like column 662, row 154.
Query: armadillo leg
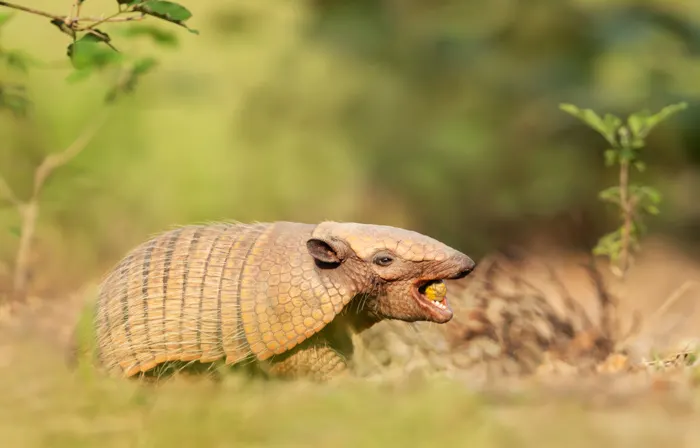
column 317, row 362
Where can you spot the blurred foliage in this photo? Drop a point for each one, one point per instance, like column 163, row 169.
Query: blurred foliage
column 90, row 50
column 438, row 116
column 13, row 95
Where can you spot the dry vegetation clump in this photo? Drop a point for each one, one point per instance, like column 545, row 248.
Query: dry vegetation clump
column 514, row 317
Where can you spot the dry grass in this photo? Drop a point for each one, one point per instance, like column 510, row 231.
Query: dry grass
column 476, row 382
column 47, row 404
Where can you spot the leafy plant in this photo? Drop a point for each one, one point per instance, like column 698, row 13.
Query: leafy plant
column 90, row 50
column 626, row 140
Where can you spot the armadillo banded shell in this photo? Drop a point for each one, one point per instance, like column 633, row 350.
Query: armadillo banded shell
column 201, row 293
column 175, row 298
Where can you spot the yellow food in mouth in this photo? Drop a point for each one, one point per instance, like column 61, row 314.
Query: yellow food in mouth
column 434, row 291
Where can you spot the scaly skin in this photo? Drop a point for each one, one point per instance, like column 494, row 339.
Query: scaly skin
column 266, row 292
column 318, row 363
column 320, row 358
column 323, row 356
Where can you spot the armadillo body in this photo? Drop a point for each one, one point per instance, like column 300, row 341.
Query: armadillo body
column 209, row 292
column 234, row 292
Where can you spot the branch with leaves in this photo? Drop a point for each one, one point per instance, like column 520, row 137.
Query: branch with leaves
column 90, row 50
column 127, row 11
column 626, row 142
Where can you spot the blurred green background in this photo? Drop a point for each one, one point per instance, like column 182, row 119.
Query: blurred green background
column 440, row 116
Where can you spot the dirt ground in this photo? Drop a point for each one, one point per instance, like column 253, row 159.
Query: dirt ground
column 530, row 359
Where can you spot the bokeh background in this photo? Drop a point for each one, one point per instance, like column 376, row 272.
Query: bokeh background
column 439, row 116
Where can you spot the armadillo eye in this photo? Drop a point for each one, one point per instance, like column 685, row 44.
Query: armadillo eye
column 383, row 260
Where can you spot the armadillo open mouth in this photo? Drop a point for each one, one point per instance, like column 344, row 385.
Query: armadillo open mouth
column 431, row 296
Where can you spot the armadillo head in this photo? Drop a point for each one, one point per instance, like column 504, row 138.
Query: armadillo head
column 398, row 273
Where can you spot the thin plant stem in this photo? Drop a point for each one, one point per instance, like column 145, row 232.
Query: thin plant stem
column 29, row 210
column 30, row 10
column 113, row 19
column 74, row 18
column 100, row 22
column 627, row 215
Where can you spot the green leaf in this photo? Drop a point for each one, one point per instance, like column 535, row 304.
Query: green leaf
column 645, row 193
column 165, row 10
column 652, row 209
column 79, row 75
column 609, row 245
column 641, row 166
column 157, row 35
column 664, row 114
column 606, row 127
column 646, row 198
column 90, row 51
column 143, row 66
column 653, row 195
column 99, row 35
column 643, row 122
column 612, row 123
column 129, row 83
column 611, row 194
column 636, row 123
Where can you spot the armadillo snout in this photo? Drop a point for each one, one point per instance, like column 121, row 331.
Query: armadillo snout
column 463, row 267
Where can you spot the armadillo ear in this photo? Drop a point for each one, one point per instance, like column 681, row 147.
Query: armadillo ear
column 324, row 251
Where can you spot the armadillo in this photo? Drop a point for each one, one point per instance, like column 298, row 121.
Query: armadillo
column 285, row 295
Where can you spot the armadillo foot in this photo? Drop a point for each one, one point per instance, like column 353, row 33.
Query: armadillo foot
column 315, row 362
